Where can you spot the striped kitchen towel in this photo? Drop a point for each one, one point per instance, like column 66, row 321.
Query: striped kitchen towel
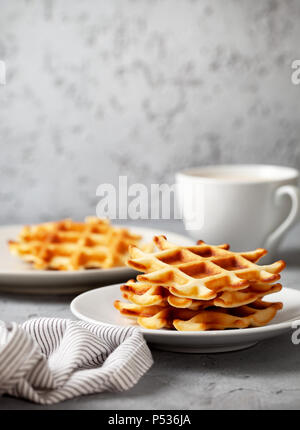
column 48, row 360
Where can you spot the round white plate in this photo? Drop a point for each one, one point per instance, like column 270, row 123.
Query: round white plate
column 19, row 277
column 96, row 306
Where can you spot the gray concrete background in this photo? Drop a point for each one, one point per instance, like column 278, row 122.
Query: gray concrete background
column 97, row 89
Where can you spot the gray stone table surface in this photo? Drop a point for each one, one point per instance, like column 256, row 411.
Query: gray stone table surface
column 266, row 376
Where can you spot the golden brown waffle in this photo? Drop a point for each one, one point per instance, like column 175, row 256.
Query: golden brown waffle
column 69, row 245
column 145, row 294
column 200, row 272
column 199, row 287
column 255, row 314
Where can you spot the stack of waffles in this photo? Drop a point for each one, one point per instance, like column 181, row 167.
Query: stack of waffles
column 69, row 245
column 199, row 287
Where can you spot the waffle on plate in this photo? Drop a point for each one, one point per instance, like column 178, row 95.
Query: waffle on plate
column 69, row 245
column 199, row 287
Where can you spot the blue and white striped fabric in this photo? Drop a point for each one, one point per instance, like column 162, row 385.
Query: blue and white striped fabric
column 48, row 360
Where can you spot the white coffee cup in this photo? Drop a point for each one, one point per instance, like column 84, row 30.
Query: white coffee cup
column 247, row 206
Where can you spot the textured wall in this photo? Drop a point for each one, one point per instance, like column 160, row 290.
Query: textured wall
column 97, row 89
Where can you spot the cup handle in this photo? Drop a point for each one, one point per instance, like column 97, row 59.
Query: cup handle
column 293, row 191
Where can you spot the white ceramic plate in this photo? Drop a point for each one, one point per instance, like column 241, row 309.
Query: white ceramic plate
column 18, row 276
column 96, row 306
